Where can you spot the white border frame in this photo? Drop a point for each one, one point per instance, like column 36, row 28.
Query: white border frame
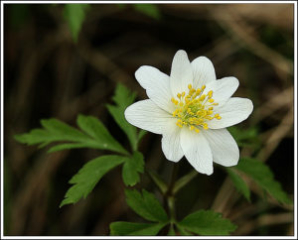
column 156, row 2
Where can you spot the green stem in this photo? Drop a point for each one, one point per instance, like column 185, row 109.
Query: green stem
column 183, row 181
column 171, row 206
column 170, row 196
column 173, row 179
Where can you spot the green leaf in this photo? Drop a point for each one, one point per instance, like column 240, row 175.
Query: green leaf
column 88, row 176
column 182, row 231
column 75, row 16
column 207, row 223
column 96, row 130
column 146, row 205
column 246, row 137
column 54, row 130
column 132, row 167
column 67, row 146
column 135, row 229
column 239, row 183
column 149, row 10
column 263, row 176
column 95, row 135
column 123, row 98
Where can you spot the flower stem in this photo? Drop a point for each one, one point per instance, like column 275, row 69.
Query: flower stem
column 171, row 206
column 184, row 180
column 170, row 196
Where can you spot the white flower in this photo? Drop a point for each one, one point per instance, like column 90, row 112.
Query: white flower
column 191, row 109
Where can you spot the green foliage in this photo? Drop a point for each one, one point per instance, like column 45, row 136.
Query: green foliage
column 135, row 229
column 75, row 16
column 263, row 176
column 239, row 183
column 206, row 223
column 182, row 231
column 88, row 176
column 94, row 135
column 132, row 167
column 97, row 131
column 146, row 205
column 122, row 99
column 150, row 10
column 246, row 137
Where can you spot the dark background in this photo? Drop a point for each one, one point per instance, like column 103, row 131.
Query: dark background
column 47, row 75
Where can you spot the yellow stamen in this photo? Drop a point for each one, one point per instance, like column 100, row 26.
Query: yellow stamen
column 210, row 94
column 194, row 109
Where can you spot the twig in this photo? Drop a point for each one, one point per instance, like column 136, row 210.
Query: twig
column 274, row 103
column 264, row 220
column 235, row 27
column 280, row 132
column 224, row 196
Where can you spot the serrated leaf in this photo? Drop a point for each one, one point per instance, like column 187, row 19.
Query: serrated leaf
column 75, row 16
column 54, row 130
column 239, row 183
column 207, row 223
column 135, row 229
column 96, row 135
column 132, row 167
column 96, row 130
column 264, row 177
column 88, row 176
column 123, row 98
column 150, row 10
column 67, row 146
column 146, row 205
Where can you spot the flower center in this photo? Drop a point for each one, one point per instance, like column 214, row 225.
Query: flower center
column 195, row 109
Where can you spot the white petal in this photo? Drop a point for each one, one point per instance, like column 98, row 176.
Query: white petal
column 147, row 115
column 234, row 111
column 203, row 71
column 181, row 73
column 157, row 85
column 170, row 142
column 197, row 151
column 224, row 148
column 222, row 89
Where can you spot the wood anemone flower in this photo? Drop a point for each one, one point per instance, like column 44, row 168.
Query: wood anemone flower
column 191, row 109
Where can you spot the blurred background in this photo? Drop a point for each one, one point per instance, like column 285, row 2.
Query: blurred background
column 47, row 74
